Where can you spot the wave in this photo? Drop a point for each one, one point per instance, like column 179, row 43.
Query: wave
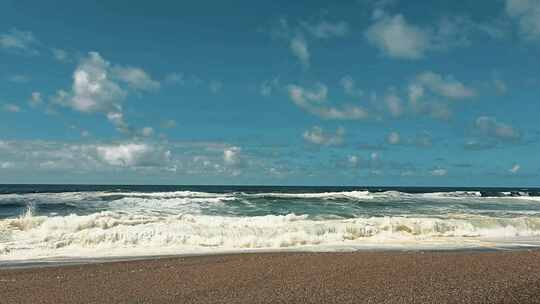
column 101, row 233
column 97, row 197
column 320, row 195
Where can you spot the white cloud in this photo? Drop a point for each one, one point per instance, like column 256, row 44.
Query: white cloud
column 500, row 86
column 353, row 160
column 489, row 126
column 97, row 88
column 35, row 99
column 19, row 41
column 395, row 37
column 95, row 157
column 439, row 172
column 160, row 159
column 312, row 100
column 19, row 78
column 117, row 119
column 349, row 86
column 393, row 138
column 12, row 108
column 6, row 165
column 318, row 136
column 147, row 131
column 136, row 78
column 132, row 155
column 301, row 95
column 268, row 86
column 168, row 124
column 325, row 29
column 60, row 55
column 231, row 155
column 527, row 14
column 393, row 104
column 416, row 92
column 215, row 86
column 446, row 86
column 298, row 34
column 93, row 88
column 299, row 48
column 175, row 78
column 439, row 111
column 515, row 169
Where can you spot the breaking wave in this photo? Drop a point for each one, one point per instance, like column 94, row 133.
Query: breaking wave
column 108, row 232
column 124, row 223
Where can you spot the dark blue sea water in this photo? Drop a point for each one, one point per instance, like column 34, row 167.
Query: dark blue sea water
column 50, row 221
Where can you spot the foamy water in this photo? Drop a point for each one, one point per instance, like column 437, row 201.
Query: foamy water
column 133, row 223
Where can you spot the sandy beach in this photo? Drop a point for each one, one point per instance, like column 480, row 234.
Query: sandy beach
column 361, row 277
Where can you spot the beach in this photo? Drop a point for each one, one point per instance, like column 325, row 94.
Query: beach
column 356, row 277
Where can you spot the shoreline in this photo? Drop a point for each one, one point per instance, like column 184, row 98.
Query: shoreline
column 339, row 277
column 63, row 261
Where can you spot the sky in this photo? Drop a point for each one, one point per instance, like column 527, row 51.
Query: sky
column 359, row 92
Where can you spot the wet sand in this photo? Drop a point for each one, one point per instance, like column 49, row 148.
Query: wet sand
column 361, row 277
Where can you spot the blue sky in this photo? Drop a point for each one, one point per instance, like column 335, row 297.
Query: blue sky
column 283, row 93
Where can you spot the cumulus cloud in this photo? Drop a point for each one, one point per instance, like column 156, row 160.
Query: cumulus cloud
column 89, row 160
column 19, row 78
column 527, row 14
column 168, row 124
column 313, row 101
column 6, row 165
column 490, row 127
column 445, row 86
column 12, row 108
column 353, row 160
column 430, row 93
column 97, row 88
column 267, row 87
column 325, row 29
column 147, row 131
column 60, row 55
column 93, row 89
column 35, row 99
column 80, row 157
column 394, row 105
column 19, row 41
column 349, row 86
column 132, row 155
column 299, row 48
column 300, row 34
column 500, row 85
column 231, row 156
column 395, row 37
column 393, row 138
column 137, row 78
column 316, row 135
column 515, row 169
column 175, row 78
column 422, row 139
column 215, row 86
column 439, row 172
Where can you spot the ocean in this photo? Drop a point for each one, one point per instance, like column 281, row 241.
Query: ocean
column 63, row 222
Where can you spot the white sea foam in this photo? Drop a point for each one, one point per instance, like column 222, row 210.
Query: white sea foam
column 105, row 233
column 319, row 195
column 194, row 196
